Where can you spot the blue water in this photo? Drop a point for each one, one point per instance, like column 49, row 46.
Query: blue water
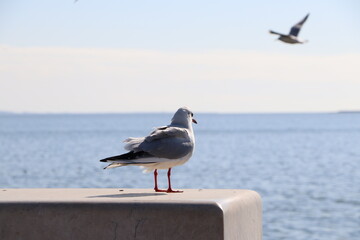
column 305, row 166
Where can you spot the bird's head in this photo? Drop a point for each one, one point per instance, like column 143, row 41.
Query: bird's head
column 183, row 116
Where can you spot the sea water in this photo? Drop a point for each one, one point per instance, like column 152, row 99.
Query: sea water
column 305, row 166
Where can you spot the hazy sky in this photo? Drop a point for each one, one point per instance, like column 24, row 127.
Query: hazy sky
column 213, row 56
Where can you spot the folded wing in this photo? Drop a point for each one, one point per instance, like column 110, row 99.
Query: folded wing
column 168, row 142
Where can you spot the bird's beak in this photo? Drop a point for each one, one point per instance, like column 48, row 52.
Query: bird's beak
column 194, row 121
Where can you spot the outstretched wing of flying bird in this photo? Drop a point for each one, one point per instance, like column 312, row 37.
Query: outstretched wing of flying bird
column 294, row 31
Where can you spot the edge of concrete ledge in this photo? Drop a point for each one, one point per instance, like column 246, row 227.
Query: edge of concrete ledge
column 89, row 213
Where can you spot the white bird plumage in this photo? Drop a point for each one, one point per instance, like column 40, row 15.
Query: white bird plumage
column 165, row 147
column 292, row 37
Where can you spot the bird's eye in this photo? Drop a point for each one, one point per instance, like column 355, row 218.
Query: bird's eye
column 191, row 114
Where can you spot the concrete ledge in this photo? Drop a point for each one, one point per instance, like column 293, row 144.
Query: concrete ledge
column 130, row 214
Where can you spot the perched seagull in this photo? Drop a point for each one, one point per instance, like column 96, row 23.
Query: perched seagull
column 165, row 148
column 294, row 31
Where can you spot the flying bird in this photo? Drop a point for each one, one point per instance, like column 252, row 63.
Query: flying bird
column 294, row 32
column 165, row 148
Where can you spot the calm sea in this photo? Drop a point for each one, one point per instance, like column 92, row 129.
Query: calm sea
column 305, row 166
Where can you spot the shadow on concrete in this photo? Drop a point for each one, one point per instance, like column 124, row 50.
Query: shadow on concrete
column 127, row 195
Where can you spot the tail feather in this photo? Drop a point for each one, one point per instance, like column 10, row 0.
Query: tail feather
column 114, row 165
column 130, row 158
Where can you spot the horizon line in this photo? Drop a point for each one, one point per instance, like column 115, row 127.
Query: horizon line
column 170, row 112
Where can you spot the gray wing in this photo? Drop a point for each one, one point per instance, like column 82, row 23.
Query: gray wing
column 166, row 132
column 294, row 31
column 168, row 142
column 273, row 32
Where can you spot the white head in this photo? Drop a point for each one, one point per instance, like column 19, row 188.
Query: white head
column 183, row 117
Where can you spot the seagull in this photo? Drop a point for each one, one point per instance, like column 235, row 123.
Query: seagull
column 294, row 31
column 165, row 148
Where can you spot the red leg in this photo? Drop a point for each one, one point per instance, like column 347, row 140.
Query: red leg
column 156, row 185
column 169, row 183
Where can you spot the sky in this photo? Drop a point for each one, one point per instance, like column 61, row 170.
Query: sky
column 93, row 56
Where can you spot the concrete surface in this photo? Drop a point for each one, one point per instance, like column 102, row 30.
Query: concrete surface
column 130, row 214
